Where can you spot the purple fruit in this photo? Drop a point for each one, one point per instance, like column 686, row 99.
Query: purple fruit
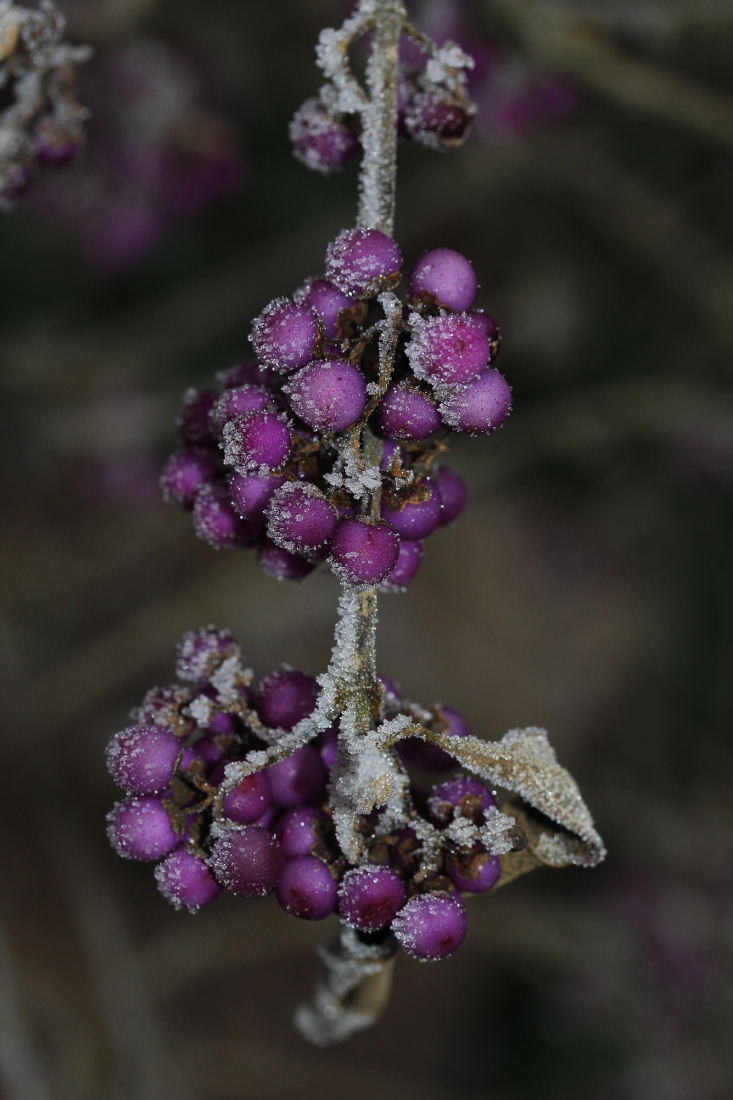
column 475, row 871
column 452, row 491
column 370, row 898
column 141, row 759
column 328, row 395
column 236, row 402
column 420, row 514
column 320, row 141
column 200, row 652
column 431, row 926
column 391, row 695
column 408, row 563
column 247, row 860
column 364, row 551
column 285, row 697
column 300, row 519
column 216, row 521
column 389, row 451
column 299, row 779
column 185, row 880
column 251, row 493
column 307, row 888
column 327, row 300
column 479, row 407
column 490, row 327
column 436, row 124
column 285, row 335
column 363, row 262
column 451, row 348
column 408, row 413
column 193, row 419
column 446, row 277
column 249, row 799
column 139, row 828
column 185, row 473
column 464, row 791
column 431, row 758
column 281, row 564
column 327, row 745
column 299, row 830
column 243, row 374
column 256, row 440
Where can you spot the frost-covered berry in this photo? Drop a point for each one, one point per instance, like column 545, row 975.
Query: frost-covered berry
column 307, row 888
column 299, row 830
column 490, row 327
column 140, row 828
column 285, row 697
column 256, row 440
column 216, row 521
column 419, row 515
column 247, row 860
column 141, row 759
column 479, row 407
column 475, row 871
column 285, row 335
column 446, row 277
column 453, row 495
column 431, row 926
column 200, row 652
column 185, row 880
column 408, row 563
column 363, row 262
column 327, row 300
column 364, row 551
column 431, row 758
column 435, row 123
column 298, row 779
column 251, row 493
column 300, row 519
column 464, row 791
column 405, row 412
column 235, row 402
column 320, row 141
column 185, row 473
column 248, row 800
column 451, row 348
column 193, row 418
column 328, row 395
column 250, row 373
column 370, row 898
column 281, row 564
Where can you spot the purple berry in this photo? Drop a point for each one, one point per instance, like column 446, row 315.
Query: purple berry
column 391, row 695
column 408, row 563
column 431, row 758
column 464, row 791
column 475, row 871
column 453, row 495
column 419, row 515
column 370, row 898
column 236, row 402
column 299, row 830
column 479, row 407
column 327, row 744
column 286, row 334
column 256, row 440
column 268, row 817
column 185, row 473
column 141, row 759
column 364, row 551
column 251, row 493
column 210, row 752
column 299, row 779
column 249, row 799
column 363, row 262
column 431, row 926
column 216, row 521
column 200, row 652
column 281, row 564
column 329, row 395
column 140, row 828
column 243, row 374
column 162, row 707
column 327, row 300
column 490, row 328
column 307, row 888
column 247, row 860
column 435, row 123
column 300, row 519
column 452, row 348
column 446, row 277
column 320, row 141
column 407, row 413
column 389, row 451
column 185, row 880
column 285, row 697
column 193, row 419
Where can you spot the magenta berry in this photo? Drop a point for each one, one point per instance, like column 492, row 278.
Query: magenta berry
column 475, row 872
column 141, row 759
column 307, row 889
column 407, row 413
column 200, row 652
column 364, row 551
column 363, row 262
column 193, row 419
column 251, row 493
column 445, row 277
column 300, row 829
column 281, row 564
column 250, row 373
column 452, row 348
column 285, row 335
column 431, row 926
column 464, row 791
column 235, row 402
column 329, row 395
column 490, row 327
column 435, row 123
column 185, row 473
column 370, row 898
column 328, row 302
column 320, row 140
column 479, row 407
column 408, row 562
column 247, row 860
column 256, row 440
column 300, row 519
column 419, row 515
column 298, row 779
column 452, row 491
column 327, row 745
column 285, row 697
column 216, row 521
column 185, row 880
column 248, row 801
column 140, row 828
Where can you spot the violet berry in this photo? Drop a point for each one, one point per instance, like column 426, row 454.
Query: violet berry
column 139, row 828
column 408, row 562
column 248, row 801
column 321, row 141
column 216, row 521
column 463, row 791
column 479, row 407
column 200, row 652
column 328, row 395
column 185, row 880
column 256, row 440
column 298, row 779
column 242, row 374
column 281, row 564
column 235, row 402
column 435, row 123
column 300, row 519
column 431, row 926
column 419, row 515
column 363, row 262
column 247, row 860
column 446, row 278
column 307, row 889
column 285, row 335
column 370, row 897
column 451, row 348
column 141, row 759
column 285, row 697
column 251, row 493
column 490, row 327
column 475, row 871
column 405, row 412
column 328, row 302
column 299, row 830
column 193, row 418
column 185, row 473
column 327, row 745
column 364, row 551
column 452, row 491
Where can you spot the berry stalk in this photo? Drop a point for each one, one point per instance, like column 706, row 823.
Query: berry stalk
column 377, row 184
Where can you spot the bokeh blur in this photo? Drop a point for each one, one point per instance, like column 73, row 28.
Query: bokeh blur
column 588, row 588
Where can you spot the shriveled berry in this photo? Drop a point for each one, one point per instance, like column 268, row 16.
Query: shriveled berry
column 141, row 759
column 451, row 348
column 140, row 828
column 300, row 519
column 364, row 551
column 285, row 335
column 285, row 697
column 328, row 395
column 185, row 473
column 444, row 277
column 464, row 791
column 431, row 926
column 247, row 860
column 256, row 440
column 363, row 262
column 370, row 898
column 185, row 880
column 479, row 407
column 405, row 412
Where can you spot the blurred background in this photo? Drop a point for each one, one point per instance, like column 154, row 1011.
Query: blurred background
column 588, row 588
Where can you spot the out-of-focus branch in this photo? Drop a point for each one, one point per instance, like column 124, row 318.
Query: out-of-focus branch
column 106, row 18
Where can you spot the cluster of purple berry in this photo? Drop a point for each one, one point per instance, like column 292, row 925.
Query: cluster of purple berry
column 209, row 829
column 272, row 457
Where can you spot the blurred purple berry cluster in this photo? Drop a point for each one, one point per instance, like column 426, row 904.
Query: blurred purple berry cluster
column 271, row 458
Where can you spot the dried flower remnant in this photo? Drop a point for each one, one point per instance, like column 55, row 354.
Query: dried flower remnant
column 42, row 121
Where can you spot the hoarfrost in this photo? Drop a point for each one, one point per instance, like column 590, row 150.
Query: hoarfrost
column 496, row 834
column 201, row 710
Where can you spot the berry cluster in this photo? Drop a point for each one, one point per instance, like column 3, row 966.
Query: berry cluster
column 273, row 457
column 209, row 827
